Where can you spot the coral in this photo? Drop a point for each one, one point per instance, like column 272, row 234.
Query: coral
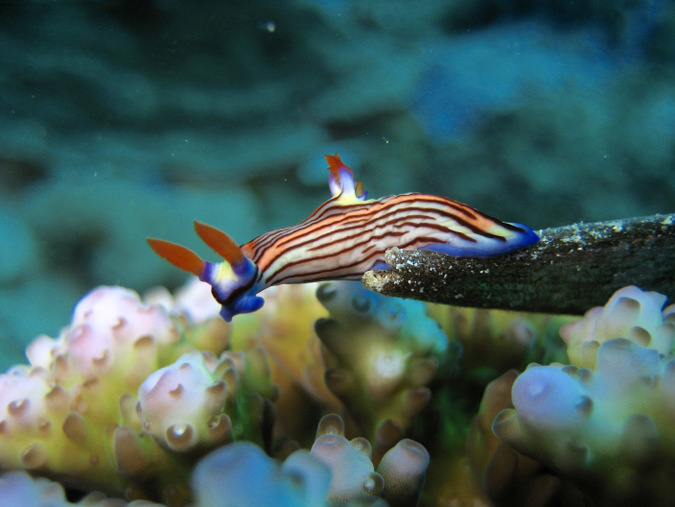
column 399, row 477
column 53, row 411
column 72, row 414
column 567, row 434
column 630, row 313
column 350, row 462
column 335, row 472
column 242, row 474
column 380, row 354
column 200, row 401
column 609, row 431
column 109, row 326
column 506, row 476
column 193, row 300
column 19, row 488
column 494, row 341
column 132, row 398
column 197, row 314
column 290, row 341
column 285, row 329
column 403, row 468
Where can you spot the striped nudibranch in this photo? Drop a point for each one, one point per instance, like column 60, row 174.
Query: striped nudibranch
column 344, row 237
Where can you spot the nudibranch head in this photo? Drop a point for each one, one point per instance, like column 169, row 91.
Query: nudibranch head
column 235, row 282
column 341, row 180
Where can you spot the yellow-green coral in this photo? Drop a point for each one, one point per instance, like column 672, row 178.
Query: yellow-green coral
column 505, row 476
column 609, row 431
column 335, row 472
column 494, row 341
column 380, row 354
column 72, row 413
column 19, row 488
column 123, row 401
column 200, row 401
column 603, row 423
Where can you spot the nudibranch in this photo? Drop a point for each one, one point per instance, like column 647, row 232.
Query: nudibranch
column 344, row 237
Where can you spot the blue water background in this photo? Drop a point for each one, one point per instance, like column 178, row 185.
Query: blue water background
column 126, row 119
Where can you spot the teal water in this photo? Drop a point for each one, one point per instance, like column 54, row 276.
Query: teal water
column 121, row 120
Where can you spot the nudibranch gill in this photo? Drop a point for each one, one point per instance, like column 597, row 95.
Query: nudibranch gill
column 344, row 237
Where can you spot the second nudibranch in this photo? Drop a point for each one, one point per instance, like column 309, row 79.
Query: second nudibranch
column 344, row 237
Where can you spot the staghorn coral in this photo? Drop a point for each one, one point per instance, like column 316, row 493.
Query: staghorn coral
column 19, row 488
column 353, row 473
column 291, row 340
column 608, row 431
column 494, row 341
column 193, row 308
column 122, row 402
column 505, row 476
column 285, row 329
column 242, row 474
column 72, row 414
column 630, row 313
column 399, row 477
column 568, row 435
column 403, row 468
column 201, row 401
column 571, row 435
column 59, row 415
column 380, row 354
column 336, row 472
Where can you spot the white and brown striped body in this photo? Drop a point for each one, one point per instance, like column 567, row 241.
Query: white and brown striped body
column 344, row 240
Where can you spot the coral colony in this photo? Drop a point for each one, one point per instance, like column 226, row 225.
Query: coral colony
column 334, row 395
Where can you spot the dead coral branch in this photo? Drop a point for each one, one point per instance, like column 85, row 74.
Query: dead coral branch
column 571, row 269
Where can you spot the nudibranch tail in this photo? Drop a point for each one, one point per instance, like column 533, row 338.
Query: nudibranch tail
column 497, row 239
column 181, row 257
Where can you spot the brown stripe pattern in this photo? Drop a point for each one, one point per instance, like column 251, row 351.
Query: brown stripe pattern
column 342, row 240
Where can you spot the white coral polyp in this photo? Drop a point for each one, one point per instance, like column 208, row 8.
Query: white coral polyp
column 42, row 350
column 196, row 301
column 107, row 322
column 22, row 394
column 104, row 308
column 630, row 313
column 353, row 471
column 178, row 402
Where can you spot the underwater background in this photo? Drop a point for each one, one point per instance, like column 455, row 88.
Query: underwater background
column 126, row 119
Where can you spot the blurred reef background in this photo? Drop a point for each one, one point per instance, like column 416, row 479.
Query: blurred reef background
column 126, row 119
